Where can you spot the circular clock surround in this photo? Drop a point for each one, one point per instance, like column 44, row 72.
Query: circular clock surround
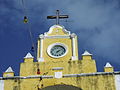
column 57, row 50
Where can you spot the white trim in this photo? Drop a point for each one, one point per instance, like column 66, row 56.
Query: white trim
column 9, row 70
column 64, row 76
column 117, row 82
column 57, row 26
column 41, row 59
column 28, row 55
column 108, row 65
column 41, row 47
column 54, row 44
column 73, row 44
column 57, row 36
column 1, row 84
column 41, row 36
column 74, row 58
column 73, row 47
column 86, row 53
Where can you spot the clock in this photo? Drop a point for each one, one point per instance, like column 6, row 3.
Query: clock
column 57, row 50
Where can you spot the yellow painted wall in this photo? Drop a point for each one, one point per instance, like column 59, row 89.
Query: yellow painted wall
column 97, row 82
column 86, row 65
column 108, row 69
column 8, row 74
column 57, row 31
column 69, row 67
column 48, row 42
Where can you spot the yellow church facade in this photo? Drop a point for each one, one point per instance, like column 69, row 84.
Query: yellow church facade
column 58, row 67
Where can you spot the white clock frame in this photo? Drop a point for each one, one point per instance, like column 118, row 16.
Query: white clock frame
column 54, row 44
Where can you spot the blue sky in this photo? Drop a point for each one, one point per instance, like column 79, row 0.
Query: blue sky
column 96, row 22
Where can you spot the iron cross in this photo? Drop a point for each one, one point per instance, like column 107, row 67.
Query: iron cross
column 57, row 17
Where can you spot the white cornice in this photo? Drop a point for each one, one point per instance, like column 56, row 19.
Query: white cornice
column 58, row 36
column 64, row 76
column 68, row 34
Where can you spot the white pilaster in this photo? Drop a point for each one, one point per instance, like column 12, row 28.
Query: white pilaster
column 41, row 59
column 73, row 47
column 1, row 84
column 117, row 82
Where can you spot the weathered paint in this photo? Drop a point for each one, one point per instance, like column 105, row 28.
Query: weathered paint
column 68, row 64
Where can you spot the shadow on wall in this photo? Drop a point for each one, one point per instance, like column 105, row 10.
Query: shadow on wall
column 62, row 87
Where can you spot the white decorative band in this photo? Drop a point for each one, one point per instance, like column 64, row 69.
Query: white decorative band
column 56, row 36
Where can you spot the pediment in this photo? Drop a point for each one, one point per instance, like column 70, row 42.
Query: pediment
column 56, row 30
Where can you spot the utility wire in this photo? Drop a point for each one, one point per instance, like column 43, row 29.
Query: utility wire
column 33, row 49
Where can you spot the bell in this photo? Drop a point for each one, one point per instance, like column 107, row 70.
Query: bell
column 25, row 19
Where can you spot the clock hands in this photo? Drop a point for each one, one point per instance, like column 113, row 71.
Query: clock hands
column 57, row 51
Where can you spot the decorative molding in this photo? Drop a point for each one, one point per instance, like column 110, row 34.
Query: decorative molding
column 73, row 47
column 57, row 26
column 57, row 36
column 41, row 36
column 73, row 35
column 40, row 59
column 117, row 74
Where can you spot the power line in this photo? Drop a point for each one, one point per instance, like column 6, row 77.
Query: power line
column 26, row 21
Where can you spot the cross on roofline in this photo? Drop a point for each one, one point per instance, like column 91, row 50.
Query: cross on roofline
column 57, row 17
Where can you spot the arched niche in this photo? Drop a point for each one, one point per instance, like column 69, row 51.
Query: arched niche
column 62, row 87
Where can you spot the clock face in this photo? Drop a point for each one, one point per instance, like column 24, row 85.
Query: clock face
column 57, row 50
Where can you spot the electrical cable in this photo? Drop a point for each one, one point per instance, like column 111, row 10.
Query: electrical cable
column 33, row 49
